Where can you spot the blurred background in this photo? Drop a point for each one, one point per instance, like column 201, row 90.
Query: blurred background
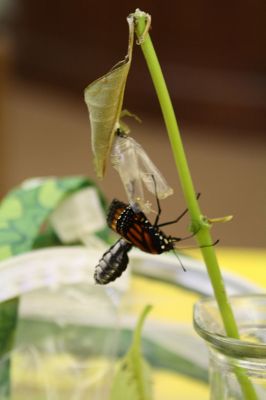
column 214, row 60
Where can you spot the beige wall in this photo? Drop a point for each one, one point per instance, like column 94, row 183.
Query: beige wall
column 47, row 133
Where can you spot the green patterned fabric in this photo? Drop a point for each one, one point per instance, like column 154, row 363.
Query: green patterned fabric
column 23, row 225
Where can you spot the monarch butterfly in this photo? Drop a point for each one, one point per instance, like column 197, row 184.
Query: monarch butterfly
column 135, row 230
column 138, row 230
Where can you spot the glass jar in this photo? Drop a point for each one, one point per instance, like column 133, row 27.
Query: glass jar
column 234, row 361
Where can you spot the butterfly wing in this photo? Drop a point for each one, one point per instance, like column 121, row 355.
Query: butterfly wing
column 135, row 228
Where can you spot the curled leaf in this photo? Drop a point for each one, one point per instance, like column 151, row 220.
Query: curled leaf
column 104, row 99
column 132, row 380
column 226, row 218
column 122, row 125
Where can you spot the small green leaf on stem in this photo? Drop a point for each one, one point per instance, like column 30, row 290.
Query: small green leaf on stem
column 226, row 218
column 133, row 378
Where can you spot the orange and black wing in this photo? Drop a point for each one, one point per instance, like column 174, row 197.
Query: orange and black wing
column 134, row 227
column 116, row 211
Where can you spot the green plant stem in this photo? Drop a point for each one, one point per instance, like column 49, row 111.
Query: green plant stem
column 203, row 236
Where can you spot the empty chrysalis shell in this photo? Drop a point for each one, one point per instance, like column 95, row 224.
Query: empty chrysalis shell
column 135, row 169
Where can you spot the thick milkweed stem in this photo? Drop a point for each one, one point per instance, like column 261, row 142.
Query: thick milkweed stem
column 203, row 235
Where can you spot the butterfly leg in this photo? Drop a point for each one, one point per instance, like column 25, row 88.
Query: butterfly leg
column 159, row 210
column 178, row 218
column 193, row 247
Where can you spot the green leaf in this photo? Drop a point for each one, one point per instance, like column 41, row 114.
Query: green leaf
column 133, row 378
column 104, row 99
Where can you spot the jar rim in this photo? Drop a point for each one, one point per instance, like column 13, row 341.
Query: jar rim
column 227, row 345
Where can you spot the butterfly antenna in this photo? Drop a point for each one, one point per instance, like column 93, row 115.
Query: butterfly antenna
column 199, row 247
column 179, row 260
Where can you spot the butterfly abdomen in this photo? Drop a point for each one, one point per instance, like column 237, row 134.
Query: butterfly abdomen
column 113, row 262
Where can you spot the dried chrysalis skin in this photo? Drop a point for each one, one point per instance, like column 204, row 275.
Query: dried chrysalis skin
column 150, row 173
column 135, row 169
column 125, row 160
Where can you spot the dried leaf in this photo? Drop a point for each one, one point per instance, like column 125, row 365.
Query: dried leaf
column 104, row 99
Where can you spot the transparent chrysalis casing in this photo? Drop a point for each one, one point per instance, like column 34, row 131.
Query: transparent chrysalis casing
column 136, row 170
